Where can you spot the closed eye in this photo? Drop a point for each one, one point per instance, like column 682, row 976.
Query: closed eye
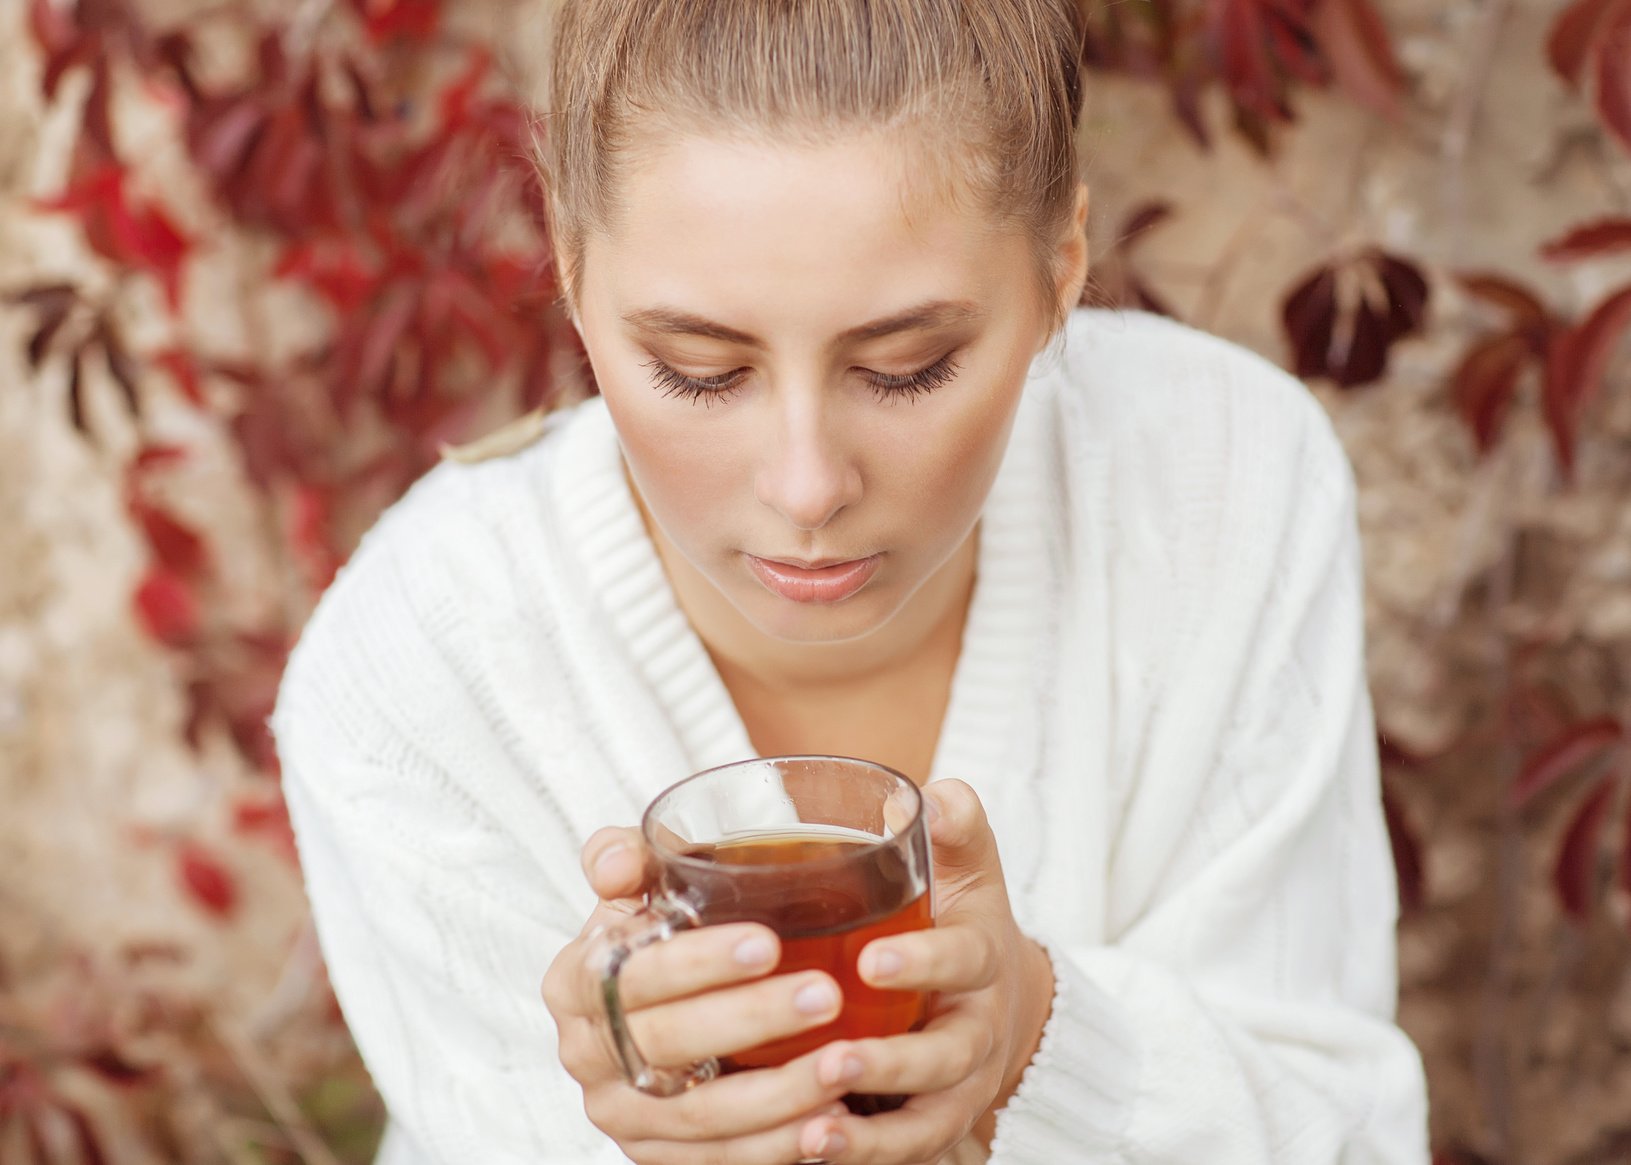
column 885, row 385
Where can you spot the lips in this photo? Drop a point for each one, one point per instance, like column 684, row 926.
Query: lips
column 822, row 581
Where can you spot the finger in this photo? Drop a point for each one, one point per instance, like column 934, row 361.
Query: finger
column 924, row 1130
column 697, row 960
column 944, row 1055
column 775, row 1146
column 952, row 959
column 734, row 1105
column 958, row 829
column 614, row 861
column 718, row 1023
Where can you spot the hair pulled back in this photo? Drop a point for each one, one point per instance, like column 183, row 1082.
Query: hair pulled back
column 989, row 89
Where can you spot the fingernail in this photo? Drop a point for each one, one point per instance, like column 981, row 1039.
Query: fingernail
column 755, row 951
column 840, row 1068
column 816, row 998
column 883, row 964
column 607, row 854
column 815, row 1143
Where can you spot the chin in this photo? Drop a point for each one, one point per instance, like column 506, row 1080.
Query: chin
column 790, row 622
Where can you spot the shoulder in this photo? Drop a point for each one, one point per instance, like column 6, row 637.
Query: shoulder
column 1192, row 401
column 465, row 542
column 1197, row 471
column 1179, row 423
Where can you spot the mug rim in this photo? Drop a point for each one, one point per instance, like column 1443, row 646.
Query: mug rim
column 864, row 848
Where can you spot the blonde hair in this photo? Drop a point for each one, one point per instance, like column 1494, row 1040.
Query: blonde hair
column 991, row 88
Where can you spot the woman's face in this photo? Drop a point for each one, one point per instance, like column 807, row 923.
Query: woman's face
column 812, row 362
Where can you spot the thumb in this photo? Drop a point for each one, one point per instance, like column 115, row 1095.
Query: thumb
column 963, row 842
column 614, row 861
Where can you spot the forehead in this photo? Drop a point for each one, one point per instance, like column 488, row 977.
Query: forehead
column 839, row 227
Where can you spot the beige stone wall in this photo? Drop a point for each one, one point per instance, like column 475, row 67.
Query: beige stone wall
column 1493, row 157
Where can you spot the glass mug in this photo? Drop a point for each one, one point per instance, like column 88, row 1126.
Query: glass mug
column 829, row 852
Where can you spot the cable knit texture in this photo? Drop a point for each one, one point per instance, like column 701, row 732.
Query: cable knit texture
column 1160, row 700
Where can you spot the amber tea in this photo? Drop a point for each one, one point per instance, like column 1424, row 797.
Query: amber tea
column 827, row 893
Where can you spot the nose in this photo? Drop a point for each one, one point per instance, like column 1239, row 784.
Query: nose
column 806, row 475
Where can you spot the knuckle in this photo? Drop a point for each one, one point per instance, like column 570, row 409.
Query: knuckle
column 555, row 989
column 986, row 960
column 693, row 1117
column 962, row 1061
column 597, row 1108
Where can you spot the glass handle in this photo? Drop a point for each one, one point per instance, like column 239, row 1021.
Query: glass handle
column 660, row 919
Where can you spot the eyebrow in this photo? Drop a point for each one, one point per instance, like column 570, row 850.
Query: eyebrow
column 936, row 313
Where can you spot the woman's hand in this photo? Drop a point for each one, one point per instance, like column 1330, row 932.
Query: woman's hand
column 995, row 994
column 704, row 992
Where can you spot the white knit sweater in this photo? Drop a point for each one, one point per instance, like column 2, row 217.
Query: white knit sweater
column 1160, row 699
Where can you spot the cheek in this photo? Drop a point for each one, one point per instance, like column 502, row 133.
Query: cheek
column 684, row 466
column 942, row 472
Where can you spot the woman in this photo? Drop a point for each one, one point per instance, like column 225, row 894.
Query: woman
column 860, row 481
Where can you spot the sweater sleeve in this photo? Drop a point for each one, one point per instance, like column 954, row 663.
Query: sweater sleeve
column 438, row 912
column 1242, row 1011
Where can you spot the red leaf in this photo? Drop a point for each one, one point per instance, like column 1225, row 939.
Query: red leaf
column 51, row 26
column 220, row 136
column 457, row 97
column 178, row 549
column 1575, row 34
column 97, row 117
column 1356, row 43
column 1407, row 292
column 1575, row 875
column 1294, row 47
column 51, row 305
column 120, row 365
column 1366, row 357
column 1237, row 26
column 1141, row 218
column 184, row 370
column 393, row 311
column 340, row 272
column 76, row 392
column 1526, row 308
column 1407, row 855
column 309, row 536
column 414, row 20
column 152, row 457
column 150, row 241
column 1576, row 366
column 1485, row 382
column 206, row 880
column 111, row 1066
column 1309, row 314
column 1614, row 77
column 1562, row 755
column 167, row 608
column 1590, row 241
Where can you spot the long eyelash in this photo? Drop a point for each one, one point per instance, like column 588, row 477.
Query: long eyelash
column 916, row 384
column 723, row 387
column 708, row 390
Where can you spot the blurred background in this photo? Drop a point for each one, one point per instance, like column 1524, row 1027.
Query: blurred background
column 262, row 263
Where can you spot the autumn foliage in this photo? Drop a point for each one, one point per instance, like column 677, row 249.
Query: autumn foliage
column 379, row 172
